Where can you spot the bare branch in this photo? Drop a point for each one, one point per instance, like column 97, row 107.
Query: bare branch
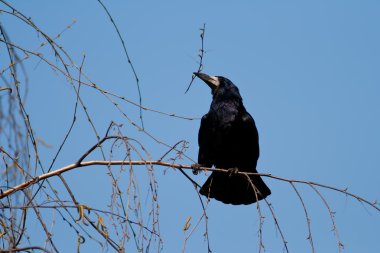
column 67, row 168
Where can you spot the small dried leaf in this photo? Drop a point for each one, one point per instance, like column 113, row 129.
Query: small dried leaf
column 187, row 224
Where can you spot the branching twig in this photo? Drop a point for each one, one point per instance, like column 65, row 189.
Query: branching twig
column 200, row 55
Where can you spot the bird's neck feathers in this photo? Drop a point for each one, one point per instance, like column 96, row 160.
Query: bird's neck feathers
column 226, row 106
column 227, row 95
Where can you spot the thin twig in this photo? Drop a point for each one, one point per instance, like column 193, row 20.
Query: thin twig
column 26, row 249
column 6, row 88
column 200, row 55
column 277, row 225
column 128, row 58
column 332, row 218
column 308, row 222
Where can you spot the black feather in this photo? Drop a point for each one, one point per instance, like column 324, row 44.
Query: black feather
column 228, row 138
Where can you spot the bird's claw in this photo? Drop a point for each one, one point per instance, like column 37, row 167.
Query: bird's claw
column 233, row 171
column 196, row 167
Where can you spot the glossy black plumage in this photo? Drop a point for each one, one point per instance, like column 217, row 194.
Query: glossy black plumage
column 228, row 139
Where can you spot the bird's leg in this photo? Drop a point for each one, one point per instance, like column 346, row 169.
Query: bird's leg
column 196, row 167
column 233, row 171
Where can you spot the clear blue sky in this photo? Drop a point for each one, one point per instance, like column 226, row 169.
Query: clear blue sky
column 308, row 72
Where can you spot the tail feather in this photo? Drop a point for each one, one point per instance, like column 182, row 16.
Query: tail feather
column 234, row 189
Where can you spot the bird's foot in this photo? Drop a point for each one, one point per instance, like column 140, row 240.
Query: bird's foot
column 196, row 167
column 233, row 171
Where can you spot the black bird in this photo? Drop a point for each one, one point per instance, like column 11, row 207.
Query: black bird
column 228, row 139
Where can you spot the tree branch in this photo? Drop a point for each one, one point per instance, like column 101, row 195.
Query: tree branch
column 57, row 172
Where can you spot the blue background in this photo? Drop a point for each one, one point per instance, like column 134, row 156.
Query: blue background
column 308, row 72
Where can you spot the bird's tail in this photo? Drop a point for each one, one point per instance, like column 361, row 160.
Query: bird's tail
column 235, row 189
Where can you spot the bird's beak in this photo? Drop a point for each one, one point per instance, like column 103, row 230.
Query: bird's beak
column 211, row 81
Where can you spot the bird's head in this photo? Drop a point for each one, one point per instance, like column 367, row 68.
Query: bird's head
column 220, row 86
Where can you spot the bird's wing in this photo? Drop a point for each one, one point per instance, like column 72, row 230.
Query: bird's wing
column 251, row 137
column 204, row 141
